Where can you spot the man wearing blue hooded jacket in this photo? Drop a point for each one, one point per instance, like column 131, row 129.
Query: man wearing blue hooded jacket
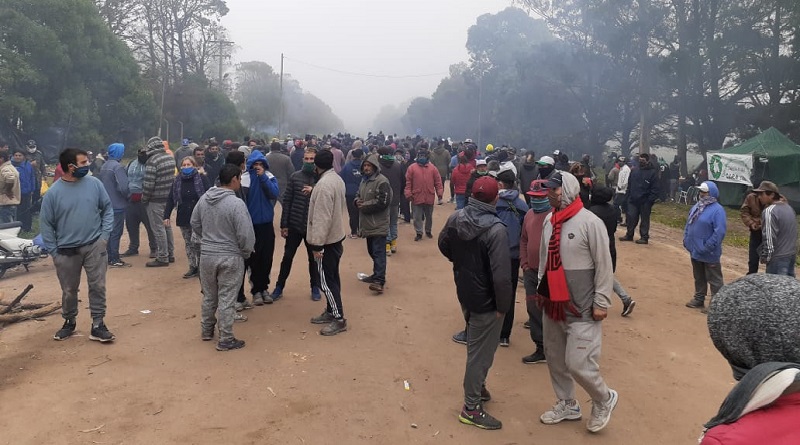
column 702, row 237
column 115, row 180
column 261, row 194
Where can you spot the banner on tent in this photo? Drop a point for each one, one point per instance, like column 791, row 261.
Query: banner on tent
column 730, row 168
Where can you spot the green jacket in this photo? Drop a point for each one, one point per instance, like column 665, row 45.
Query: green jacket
column 376, row 194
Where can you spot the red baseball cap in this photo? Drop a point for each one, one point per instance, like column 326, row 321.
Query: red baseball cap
column 485, row 189
column 538, row 188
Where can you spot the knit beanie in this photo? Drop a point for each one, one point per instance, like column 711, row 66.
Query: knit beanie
column 324, row 160
column 154, row 143
column 755, row 320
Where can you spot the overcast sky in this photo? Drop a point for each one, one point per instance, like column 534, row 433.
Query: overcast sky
column 376, row 37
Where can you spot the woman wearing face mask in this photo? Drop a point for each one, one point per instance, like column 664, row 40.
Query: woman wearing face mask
column 187, row 189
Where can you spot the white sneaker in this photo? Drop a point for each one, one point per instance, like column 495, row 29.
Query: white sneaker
column 258, row 300
column 562, row 410
column 601, row 412
column 239, row 317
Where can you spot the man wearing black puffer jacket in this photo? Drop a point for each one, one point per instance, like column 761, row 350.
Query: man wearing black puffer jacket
column 642, row 193
column 294, row 218
column 475, row 240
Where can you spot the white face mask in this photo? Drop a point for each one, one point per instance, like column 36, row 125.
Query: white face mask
column 31, row 149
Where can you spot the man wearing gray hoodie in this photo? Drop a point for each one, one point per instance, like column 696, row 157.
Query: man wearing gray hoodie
column 222, row 223
column 575, row 284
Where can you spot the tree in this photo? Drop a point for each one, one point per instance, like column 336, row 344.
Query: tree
column 68, row 70
column 258, row 96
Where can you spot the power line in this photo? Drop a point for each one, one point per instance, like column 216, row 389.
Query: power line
column 350, row 73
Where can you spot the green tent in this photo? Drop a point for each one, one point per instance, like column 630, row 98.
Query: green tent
column 775, row 158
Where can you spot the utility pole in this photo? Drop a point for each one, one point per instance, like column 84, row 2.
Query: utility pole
column 480, row 111
column 280, row 116
column 221, row 57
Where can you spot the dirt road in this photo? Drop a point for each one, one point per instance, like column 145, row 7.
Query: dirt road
column 159, row 384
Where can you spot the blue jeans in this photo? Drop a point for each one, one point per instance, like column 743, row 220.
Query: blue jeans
column 116, row 234
column 461, row 201
column 394, row 215
column 8, row 214
column 782, row 266
column 376, row 247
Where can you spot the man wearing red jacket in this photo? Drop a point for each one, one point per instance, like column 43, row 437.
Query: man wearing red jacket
column 423, row 186
column 459, row 178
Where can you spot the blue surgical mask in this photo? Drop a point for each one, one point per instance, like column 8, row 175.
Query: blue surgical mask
column 187, row 171
column 80, row 172
column 422, row 160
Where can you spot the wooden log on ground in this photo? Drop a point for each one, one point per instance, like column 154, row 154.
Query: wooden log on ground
column 24, row 307
column 27, row 315
column 19, row 298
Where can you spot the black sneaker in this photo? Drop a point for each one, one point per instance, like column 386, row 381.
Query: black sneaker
column 191, row 273
column 642, row 241
column 480, row 418
column 429, row 234
column 376, row 287
column 694, row 303
column 418, row 237
column 627, row 307
column 334, row 327
column 207, row 335
column 527, row 324
column 119, row 264
column 505, row 342
column 156, row 263
column 66, row 330
column 536, row 357
column 485, row 394
column 364, row 278
column 625, row 238
column 101, row 333
column 323, row 318
column 128, row 253
column 229, row 345
column 460, row 338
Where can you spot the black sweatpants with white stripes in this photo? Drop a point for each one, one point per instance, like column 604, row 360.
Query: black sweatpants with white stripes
column 329, row 281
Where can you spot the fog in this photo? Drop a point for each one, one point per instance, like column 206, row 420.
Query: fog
column 399, row 49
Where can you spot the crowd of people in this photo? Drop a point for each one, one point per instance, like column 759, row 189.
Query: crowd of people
column 549, row 218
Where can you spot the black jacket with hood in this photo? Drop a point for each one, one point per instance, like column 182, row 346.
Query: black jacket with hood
column 475, row 240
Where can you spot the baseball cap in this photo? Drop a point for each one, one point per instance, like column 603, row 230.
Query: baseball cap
column 485, row 189
column 538, row 188
column 467, row 141
column 557, row 152
column 546, row 160
column 767, row 186
column 703, row 187
column 555, row 181
column 480, row 162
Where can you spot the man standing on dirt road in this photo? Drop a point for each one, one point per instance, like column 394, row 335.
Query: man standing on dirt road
column 221, row 221
column 76, row 221
column 325, row 233
column 475, row 240
column 642, row 194
column 702, row 237
column 576, row 279
column 373, row 199
column 779, row 225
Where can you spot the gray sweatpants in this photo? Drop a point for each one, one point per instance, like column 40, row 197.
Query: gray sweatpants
column 220, row 277
column 165, row 243
column 483, row 330
column 572, row 351
column 192, row 249
column 420, row 212
column 92, row 258
column 706, row 275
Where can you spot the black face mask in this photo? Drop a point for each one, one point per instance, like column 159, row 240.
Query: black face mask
column 544, row 171
column 142, row 158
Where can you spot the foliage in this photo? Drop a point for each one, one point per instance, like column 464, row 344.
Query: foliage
column 63, row 67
